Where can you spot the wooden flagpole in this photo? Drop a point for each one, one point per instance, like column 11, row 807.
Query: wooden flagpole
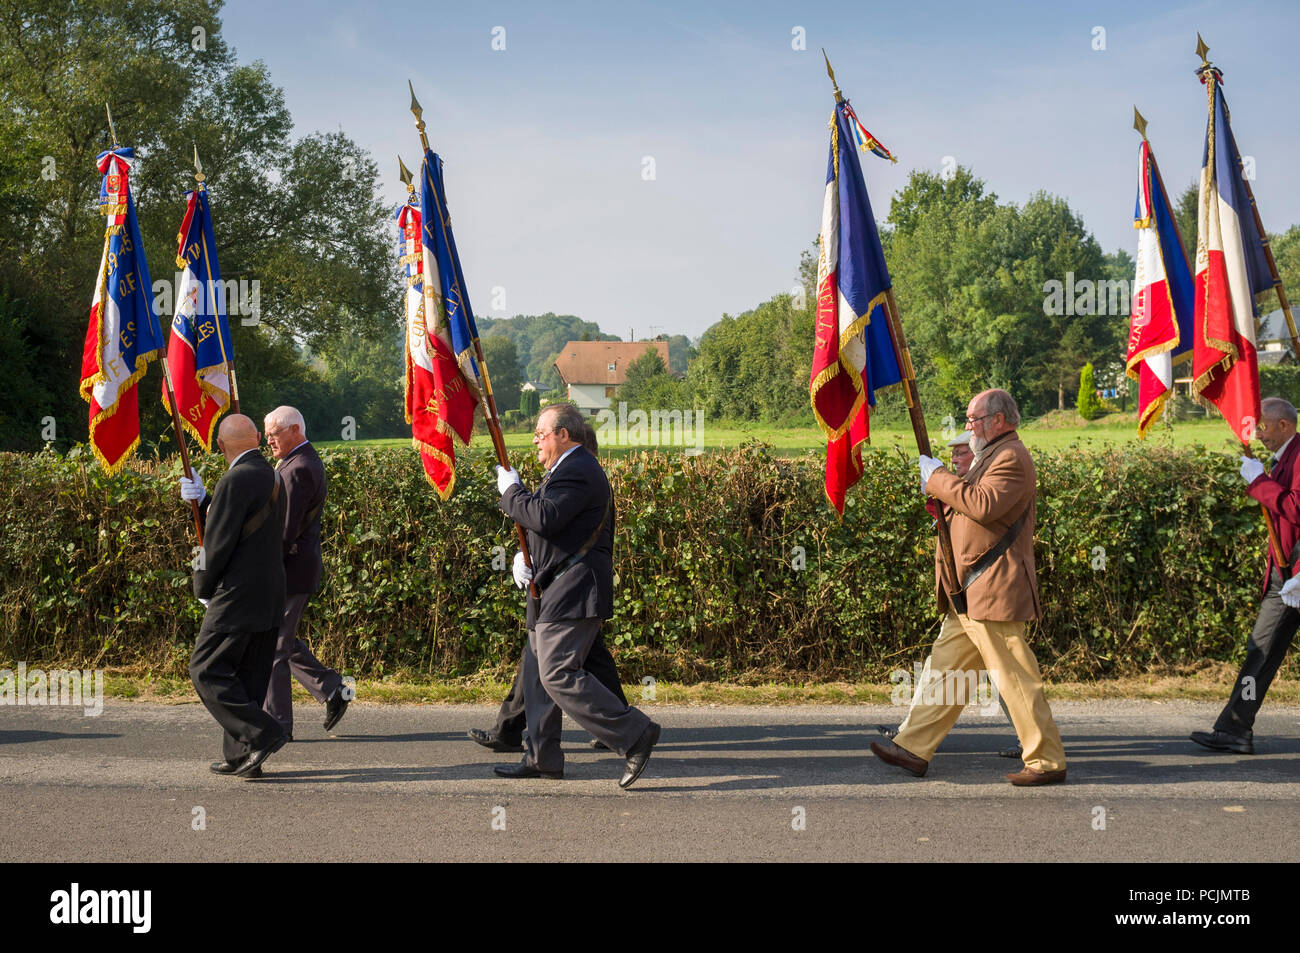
column 489, row 401
column 1274, row 542
column 913, row 397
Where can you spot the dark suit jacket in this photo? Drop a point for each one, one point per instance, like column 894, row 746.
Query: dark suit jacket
column 560, row 517
column 1279, row 491
column 243, row 580
column 304, row 482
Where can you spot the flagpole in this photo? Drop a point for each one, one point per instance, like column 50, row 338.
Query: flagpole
column 903, row 357
column 167, row 376
column 490, row 403
column 1211, row 77
column 201, row 179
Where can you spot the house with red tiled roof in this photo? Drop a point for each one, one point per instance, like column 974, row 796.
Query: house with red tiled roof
column 592, row 370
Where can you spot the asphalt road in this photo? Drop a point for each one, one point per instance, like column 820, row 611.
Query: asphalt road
column 726, row 783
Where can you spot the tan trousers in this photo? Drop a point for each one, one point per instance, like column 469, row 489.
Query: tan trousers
column 962, row 645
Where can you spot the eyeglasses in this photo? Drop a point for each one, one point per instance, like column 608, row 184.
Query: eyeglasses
column 539, row 434
column 274, row 435
column 975, row 420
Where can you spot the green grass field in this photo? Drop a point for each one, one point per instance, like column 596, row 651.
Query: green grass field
column 1107, row 432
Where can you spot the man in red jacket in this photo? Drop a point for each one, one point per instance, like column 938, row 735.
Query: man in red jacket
column 1278, row 616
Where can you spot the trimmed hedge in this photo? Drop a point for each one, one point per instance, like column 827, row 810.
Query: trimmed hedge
column 729, row 565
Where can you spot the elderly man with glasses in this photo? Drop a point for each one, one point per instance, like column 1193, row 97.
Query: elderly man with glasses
column 992, row 528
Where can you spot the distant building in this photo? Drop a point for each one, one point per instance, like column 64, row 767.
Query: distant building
column 592, row 370
column 1273, row 340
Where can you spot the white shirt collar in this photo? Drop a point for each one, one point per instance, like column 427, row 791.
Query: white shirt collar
column 1282, row 449
column 562, row 456
column 242, row 455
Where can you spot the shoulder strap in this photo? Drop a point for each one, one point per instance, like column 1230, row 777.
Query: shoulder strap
column 581, row 554
column 985, row 561
column 254, row 522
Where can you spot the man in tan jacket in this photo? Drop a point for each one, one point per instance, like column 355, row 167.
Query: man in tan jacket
column 992, row 526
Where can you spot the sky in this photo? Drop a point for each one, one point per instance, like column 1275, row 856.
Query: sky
column 651, row 167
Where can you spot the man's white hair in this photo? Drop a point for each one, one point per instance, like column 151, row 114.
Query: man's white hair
column 285, row 417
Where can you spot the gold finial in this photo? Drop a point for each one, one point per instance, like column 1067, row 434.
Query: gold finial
column 199, row 177
column 419, row 116
column 1139, row 123
column 839, row 98
column 405, row 175
column 1201, row 50
column 111, row 131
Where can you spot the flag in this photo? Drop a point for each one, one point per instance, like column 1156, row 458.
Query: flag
column 440, row 401
column 854, row 354
column 1160, row 325
column 123, row 333
column 200, row 352
column 1231, row 269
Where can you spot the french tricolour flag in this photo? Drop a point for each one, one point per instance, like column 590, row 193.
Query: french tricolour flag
column 1160, row 326
column 853, row 350
column 1231, row 269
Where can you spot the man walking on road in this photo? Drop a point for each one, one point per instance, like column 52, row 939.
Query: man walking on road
column 993, row 545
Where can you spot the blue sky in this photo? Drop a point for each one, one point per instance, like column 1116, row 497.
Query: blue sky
column 545, row 141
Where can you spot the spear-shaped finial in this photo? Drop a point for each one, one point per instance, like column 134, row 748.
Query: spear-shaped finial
column 1139, row 123
column 1201, row 50
column 199, row 177
column 419, row 116
column 839, row 98
column 405, row 175
column 111, row 131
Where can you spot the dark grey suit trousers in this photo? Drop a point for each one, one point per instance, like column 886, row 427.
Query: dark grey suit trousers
column 555, row 682
column 1273, row 634
column 294, row 657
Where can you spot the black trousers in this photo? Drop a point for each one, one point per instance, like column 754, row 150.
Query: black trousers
column 1273, row 634
column 600, row 665
column 231, row 671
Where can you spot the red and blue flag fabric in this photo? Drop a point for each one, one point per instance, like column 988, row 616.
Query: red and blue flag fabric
column 123, row 333
column 1231, row 270
column 200, row 351
column 1161, row 320
column 439, row 401
column 854, row 353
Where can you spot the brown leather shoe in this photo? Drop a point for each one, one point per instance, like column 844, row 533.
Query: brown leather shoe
column 900, row 758
column 1031, row 778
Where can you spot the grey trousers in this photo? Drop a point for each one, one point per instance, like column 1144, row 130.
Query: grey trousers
column 292, row 656
column 555, row 682
column 1273, row 633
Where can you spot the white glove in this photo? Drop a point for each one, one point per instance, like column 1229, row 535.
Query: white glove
column 505, row 478
column 928, row 465
column 205, row 602
column 1291, row 592
column 193, row 489
column 1251, row 469
column 523, row 574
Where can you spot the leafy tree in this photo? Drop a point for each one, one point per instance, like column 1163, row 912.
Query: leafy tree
column 503, row 364
column 539, row 338
column 529, row 403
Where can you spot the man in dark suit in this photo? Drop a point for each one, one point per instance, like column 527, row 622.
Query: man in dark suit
column 303, row 474
column 570, row 524
column 508, row 733
column 239, row 577
column 1278, row 619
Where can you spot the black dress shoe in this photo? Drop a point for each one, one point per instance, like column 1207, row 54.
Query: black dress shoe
column 887, row 731
column 1222, row 741
column 229, row 767
column 598, row 745
column 639, row 754
column 522, row 770
column 255, row 758
column 335, row 706
column 1011, row 751
column 490, row 739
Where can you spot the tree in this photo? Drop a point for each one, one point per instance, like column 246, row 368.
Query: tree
column 503, row 364
column 649, row 385
column 1185, row 213
column 1088, row 405
column 529, row 403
